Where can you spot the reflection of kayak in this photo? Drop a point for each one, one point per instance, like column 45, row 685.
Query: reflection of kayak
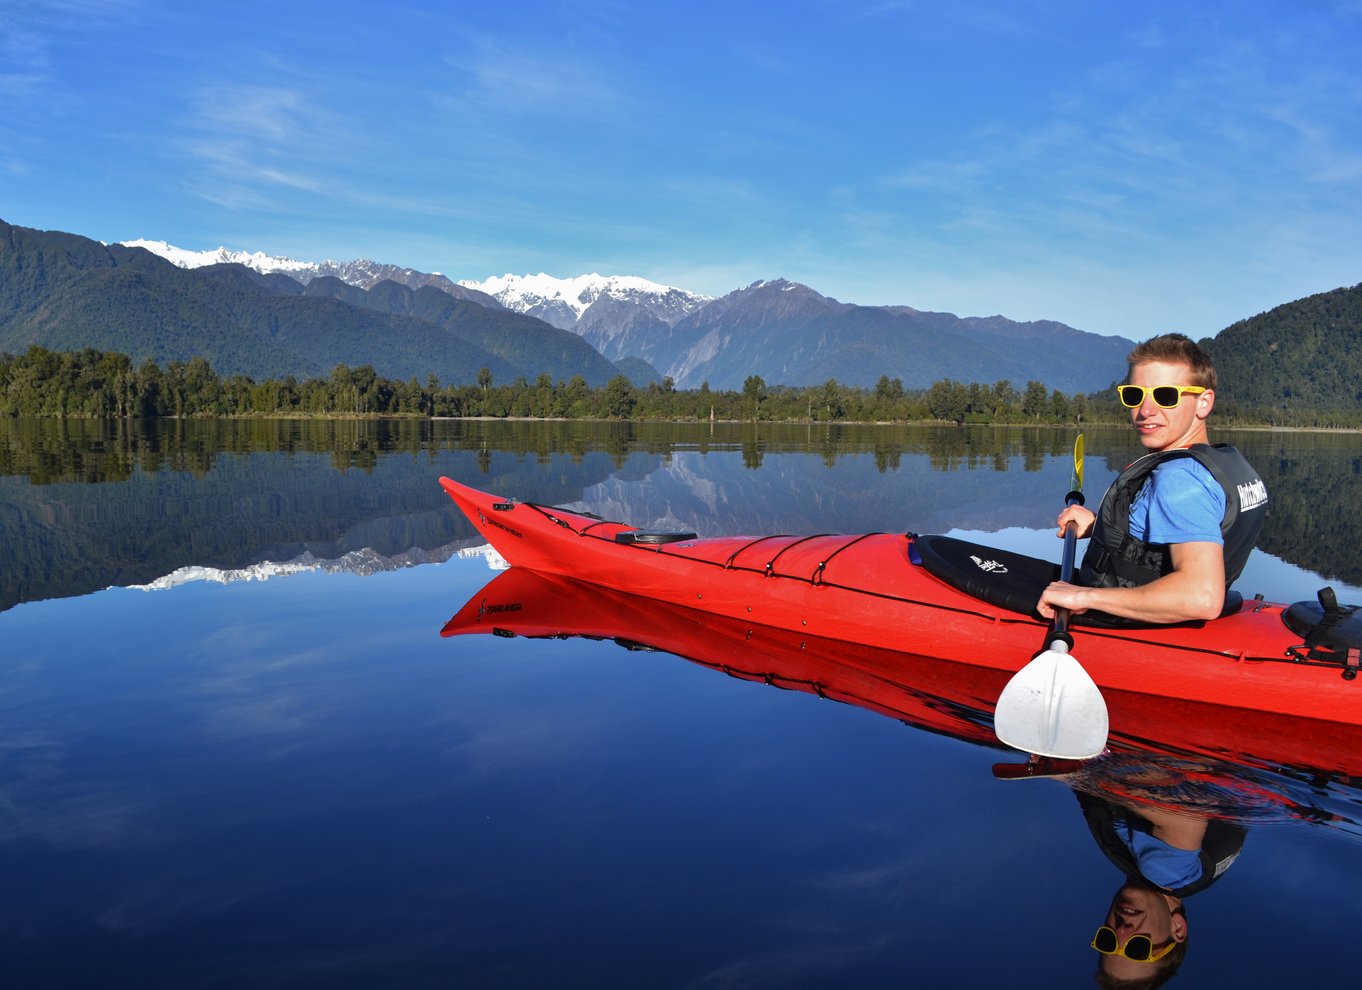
column 893, row 592
column 940, row 696
column 926, row 693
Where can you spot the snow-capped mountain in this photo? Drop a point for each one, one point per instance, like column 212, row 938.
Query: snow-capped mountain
column 564, row 302
column 619, row 315
column 259, row 260
column 361, row 272
column 786, row 332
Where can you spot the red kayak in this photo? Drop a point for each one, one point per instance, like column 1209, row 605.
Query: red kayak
column 956, row 602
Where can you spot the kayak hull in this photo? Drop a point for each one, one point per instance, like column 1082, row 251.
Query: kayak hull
column 864, row 590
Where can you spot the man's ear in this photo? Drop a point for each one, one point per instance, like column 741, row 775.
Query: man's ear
column 1179, row 927
column 1205, row 402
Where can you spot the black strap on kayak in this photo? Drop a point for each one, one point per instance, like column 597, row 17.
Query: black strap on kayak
column 771, row 564
column 823, row 564
column 729, row 563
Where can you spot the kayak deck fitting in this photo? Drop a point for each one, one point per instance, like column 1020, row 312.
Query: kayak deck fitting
column 873, row 590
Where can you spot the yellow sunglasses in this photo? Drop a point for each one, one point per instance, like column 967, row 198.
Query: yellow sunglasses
column 1139, row 948
column 1164, row 396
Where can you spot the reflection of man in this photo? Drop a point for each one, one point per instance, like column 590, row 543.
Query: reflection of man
column 1178, row 525
column 1167, row 853
column 1162, row 824
column 1143, row 940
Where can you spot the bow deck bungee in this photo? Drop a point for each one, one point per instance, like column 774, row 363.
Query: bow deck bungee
column 866, row 589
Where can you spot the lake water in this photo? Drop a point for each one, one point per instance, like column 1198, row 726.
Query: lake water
column 236, row 751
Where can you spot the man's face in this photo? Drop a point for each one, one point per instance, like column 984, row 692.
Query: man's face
column 1140, row 910
column 1159, row 428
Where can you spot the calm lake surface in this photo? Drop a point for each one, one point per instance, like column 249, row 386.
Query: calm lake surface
column 236, row 751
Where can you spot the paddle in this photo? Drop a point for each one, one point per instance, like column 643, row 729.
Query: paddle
column 1051, row 707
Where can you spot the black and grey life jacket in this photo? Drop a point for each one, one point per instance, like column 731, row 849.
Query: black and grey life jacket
column 1116, row 559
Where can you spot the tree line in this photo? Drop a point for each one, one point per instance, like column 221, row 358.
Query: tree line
column 99, row 384
column 91, row 383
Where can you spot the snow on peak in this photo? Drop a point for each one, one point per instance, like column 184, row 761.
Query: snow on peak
column 528, row 292
column 559, row 301
column 185, row 258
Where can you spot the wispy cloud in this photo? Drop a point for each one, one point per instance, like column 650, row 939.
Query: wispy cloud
column 501, row 78
column 254, row 143
column 261, row 112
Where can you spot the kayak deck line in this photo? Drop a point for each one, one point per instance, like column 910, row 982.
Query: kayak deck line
column 866, row 589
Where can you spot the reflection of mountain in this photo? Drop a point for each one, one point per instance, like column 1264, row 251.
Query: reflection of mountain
column 357, row 562
column 70, row 538
column 796, row 493
column 1312, row 520
column 87, row 505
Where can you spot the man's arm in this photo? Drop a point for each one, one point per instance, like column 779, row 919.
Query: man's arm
column 1195, row 589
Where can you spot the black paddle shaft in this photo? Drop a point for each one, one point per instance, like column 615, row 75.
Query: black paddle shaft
column 1059, row 629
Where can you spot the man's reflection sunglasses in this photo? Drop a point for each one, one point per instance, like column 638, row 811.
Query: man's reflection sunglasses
column 1140, row 948
column 1165, row 396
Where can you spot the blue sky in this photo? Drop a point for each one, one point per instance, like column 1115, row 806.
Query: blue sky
column 1124, row 168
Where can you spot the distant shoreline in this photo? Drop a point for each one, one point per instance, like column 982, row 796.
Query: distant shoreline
column 418, row 418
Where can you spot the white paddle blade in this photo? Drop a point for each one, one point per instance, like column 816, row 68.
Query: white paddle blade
column 1051, row 707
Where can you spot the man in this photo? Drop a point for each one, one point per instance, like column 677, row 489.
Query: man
column 1176, row 527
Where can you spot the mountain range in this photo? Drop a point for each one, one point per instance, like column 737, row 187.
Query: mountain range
column 265, row 316
column 786, row 332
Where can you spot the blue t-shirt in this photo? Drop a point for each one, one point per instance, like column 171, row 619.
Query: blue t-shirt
column 1180, row 503
column 1160, row 863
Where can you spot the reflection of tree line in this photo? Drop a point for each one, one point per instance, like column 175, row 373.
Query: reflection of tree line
column 1313, row 479
column 1313, row 519
column 65, row 539
column 89, row 450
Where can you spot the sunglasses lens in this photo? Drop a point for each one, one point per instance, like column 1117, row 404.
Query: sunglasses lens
column 1166, row 396
column 1139, row 948
column 1105, row 940
column 1131, row 395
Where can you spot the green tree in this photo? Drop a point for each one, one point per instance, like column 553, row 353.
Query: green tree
column 1036, row 401
column 948, row 400
column 620, row 398
column 754, row 394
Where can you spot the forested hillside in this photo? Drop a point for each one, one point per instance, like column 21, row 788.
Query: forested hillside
column 1302, row 357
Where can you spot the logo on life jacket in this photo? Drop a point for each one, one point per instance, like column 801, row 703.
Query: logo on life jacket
column 988, row 566
column 1252, row 495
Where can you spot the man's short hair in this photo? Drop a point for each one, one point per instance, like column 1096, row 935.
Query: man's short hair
column 1176, row 348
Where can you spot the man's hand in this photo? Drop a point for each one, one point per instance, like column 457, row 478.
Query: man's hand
column 1064, row 595
column 1080, row 517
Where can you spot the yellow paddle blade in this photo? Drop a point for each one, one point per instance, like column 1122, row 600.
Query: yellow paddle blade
column 1078, row 464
